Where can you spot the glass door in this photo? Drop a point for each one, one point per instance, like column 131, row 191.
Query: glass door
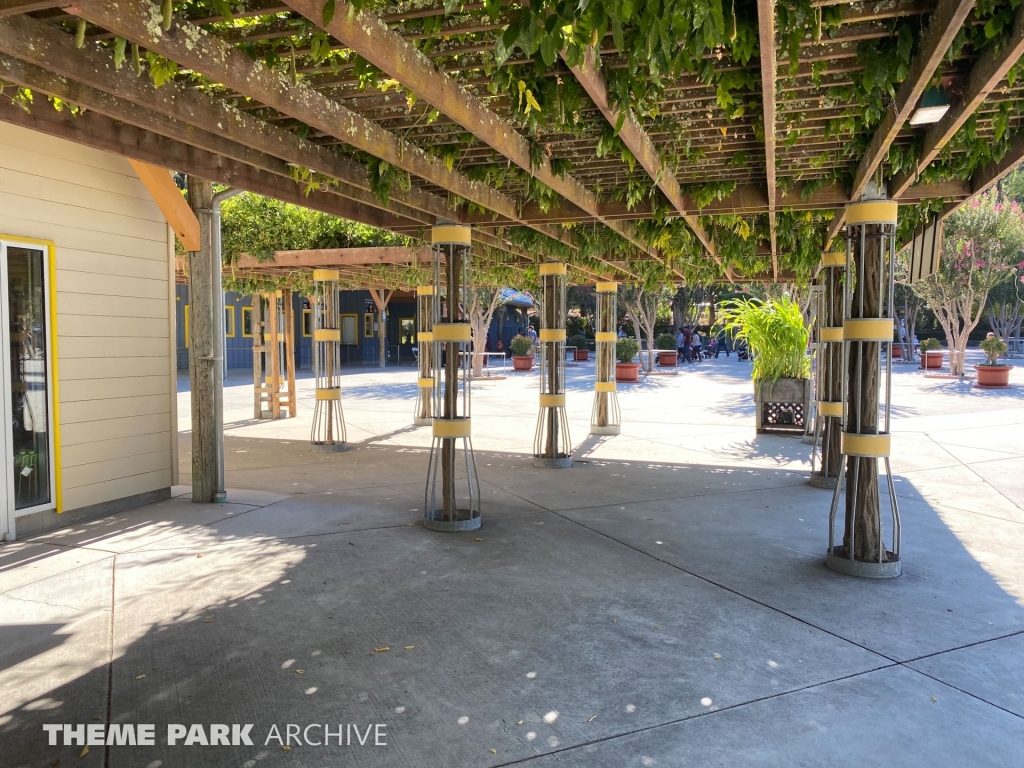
column 26, row 384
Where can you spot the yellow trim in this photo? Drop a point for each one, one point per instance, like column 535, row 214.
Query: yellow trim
column 551, row 334
column 231, row 335
column 368, row 325
column 424, row 337
column 832, row 334
column 604, row 386
column 451, row 427
column 326, row 275
column 874, row 212
column 425, row 383
column 244, row 334
column 833, row 259
column 606, row 287
column 332, row 393
column 870, row 446
column 452, row 332
column 827, row 408
column 327, row 334
column 187, row 313
column 868, row 329
column 341, row 326
column 309, row 313
column 424, row 290
column 451, row 233
column 51, row 268
column 552, row 401
column 552, row 268
column 604, row 336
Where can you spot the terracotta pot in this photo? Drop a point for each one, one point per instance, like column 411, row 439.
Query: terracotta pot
column 993, row 375
column 932, row 360
column 522, row 362
column 582, row 355
column 627, row 371
column 897, row 351
column 668, row 359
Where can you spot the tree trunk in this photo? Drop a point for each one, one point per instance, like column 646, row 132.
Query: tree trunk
column 205, row 431
column 863, row 514
column 451, row 390
column 832, row 372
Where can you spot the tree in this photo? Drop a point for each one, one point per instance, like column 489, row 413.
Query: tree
column 642, row 304
column 981, row 247
column 1006, row 309
column 483, row 302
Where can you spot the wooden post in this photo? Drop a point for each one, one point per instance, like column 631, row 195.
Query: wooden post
column 274, row 385
column 202, row 345
column 256, row 329
column 289, row 349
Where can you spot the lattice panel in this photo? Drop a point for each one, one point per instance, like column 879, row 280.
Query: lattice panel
column 783, row 415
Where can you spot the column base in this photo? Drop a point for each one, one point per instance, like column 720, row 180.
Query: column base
column 609, row 430
column 417, row 421
column 808, row 439
column 328, row 447
column 562, row 462
column 820, row 481
column 839, row 564
column 435, row 523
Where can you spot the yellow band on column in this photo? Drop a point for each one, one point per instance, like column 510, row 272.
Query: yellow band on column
column 605, row 336
column 425, row 383
column 333, row 393
column 326, row 275
column 452, row 332
column 872, row 212
column 833, row 259
column 424, row 336
column 829, row 408
column 868, row 446
column 451, row 234
column 604, row 386
column 451, row 427
column 551, row 268
column 606, row 287
column 552, row 401
column 868, row 329
column 832, row 334
column 552, row 334
column 326, row 334
column 424, row 290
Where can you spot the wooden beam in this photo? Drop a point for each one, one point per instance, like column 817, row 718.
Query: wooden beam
column 370, row 37
column 14, row 7
column 638, row 142
column 169, row 200
column 340, row 257
column 987, row 72
column 943, row 26
column 192, row 47
column 766, row 36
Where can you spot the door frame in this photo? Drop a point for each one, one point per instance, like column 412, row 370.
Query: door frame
column 7, row 509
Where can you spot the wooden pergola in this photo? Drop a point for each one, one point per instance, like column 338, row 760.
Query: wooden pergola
column 400, row 116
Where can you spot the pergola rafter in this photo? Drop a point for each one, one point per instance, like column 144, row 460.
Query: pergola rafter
column 766, row 36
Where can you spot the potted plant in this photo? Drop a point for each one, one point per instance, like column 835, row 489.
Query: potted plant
column 580, row 342
column 931, row 354
column 668, row 354
column 522, row 353
column 625, row 368
column 991, row 373
column 775, row 333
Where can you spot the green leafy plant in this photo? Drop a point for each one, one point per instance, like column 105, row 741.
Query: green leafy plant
column 626, row 349
column 665, row 341
column 775, row 333
column 994, row 348
column 579, row 341
column 930, row 345
column 521, row 346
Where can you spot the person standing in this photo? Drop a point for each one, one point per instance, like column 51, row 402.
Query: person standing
column 698, row 345
column 687, row 344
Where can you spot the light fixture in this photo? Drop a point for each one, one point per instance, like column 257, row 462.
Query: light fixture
column 934, row 104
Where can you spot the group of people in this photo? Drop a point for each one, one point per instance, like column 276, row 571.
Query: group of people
column 691, row 347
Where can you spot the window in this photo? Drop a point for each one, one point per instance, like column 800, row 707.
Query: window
column 349, row 329
column 29, row 435
column 247, row 322
column 368, row 325
column 307, row 323
column 229, row 322
column 407, row 333
column 187, row 334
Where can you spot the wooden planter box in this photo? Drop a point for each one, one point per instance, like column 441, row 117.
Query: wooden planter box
column 932, row 360
column 996, row 376
column 782, row 405
column 522, row 362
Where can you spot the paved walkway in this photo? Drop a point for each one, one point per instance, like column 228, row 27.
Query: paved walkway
column 661, row 603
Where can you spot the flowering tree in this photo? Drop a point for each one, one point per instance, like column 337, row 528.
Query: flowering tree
column 981, row 247
column 482, row 304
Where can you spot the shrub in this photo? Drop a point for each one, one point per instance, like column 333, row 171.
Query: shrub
column 930, row 345
column 775, row 333
column 579, row 341
column 994, row 348
column 665, row 341
column 521, row 346
column 626, row 349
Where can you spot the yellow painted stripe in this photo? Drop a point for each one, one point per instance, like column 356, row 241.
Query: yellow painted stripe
column 606, row 287
column 833, row 259
column 875, row 212
column 452, row 332
column 551, row 268
column 451, row 427
column 326, row 275
column 604, row 336
column 604, row 386
column 424, row 290
column 425, row 383
column 425, row 336
column 451, row 233
column 552, row 334
column 832, row 334
column 334, row 393
column 868, row 329
column 827, row 408
column 871, row 446
column 552, row 401
column 326, row 334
